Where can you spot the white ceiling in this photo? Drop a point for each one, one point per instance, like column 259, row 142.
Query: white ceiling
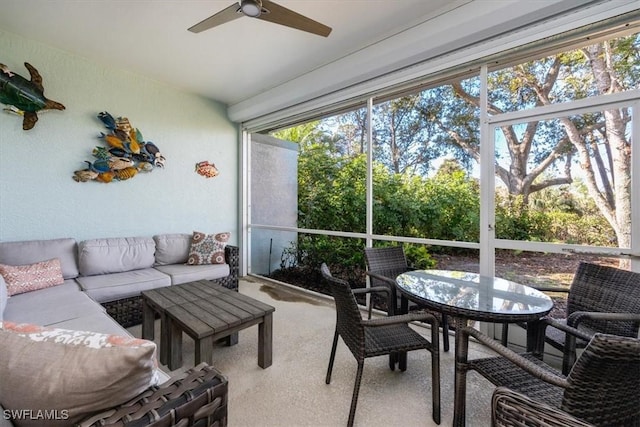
column 229, row 63
column 256, row 67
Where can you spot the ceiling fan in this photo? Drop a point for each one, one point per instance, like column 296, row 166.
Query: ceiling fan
column 265, row 10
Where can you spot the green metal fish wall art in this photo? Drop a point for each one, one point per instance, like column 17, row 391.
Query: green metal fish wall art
column 25, row 96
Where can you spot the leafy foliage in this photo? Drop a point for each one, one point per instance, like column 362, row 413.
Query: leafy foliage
column 539, row 200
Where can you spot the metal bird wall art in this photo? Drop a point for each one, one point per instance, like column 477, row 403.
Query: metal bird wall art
column 126, row 153
column 25, row 97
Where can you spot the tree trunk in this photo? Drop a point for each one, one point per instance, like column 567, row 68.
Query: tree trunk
column 617, row 213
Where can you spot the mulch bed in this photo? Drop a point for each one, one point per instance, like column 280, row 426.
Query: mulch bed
column 531, row 269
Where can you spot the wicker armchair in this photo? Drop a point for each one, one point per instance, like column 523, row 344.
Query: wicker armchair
column 512, row 409
column 601, row 389
column 601, row 299
column 383, row 266
column 378, row 337
column 197, row 397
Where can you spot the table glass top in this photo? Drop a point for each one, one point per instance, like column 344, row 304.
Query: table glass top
column 470, row 291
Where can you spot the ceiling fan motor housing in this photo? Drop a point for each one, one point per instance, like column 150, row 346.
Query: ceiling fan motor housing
column 252, row 8
column 271, row 12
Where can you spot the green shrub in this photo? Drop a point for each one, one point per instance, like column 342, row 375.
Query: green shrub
column 418, row 257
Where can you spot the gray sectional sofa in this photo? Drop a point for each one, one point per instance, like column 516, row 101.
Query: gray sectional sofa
column 106, row 274
column 103, row 281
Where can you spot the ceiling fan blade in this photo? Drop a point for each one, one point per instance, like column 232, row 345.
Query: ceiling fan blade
column 283, row 16
column 225, row 15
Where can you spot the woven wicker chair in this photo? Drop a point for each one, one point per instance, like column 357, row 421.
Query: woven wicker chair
column 601, row 299
column 383, row 266
column 601, row 389
column 378, row 337
column 512, row 409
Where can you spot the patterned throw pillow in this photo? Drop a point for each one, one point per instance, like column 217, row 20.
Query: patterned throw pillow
column 31, row 277
column 68, row 374
column 207, row 248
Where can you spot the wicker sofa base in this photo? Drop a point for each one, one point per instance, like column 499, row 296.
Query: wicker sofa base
column 128, row 311
column 198, row 397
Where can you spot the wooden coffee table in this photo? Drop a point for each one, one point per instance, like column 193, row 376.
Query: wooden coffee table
column 206, row 312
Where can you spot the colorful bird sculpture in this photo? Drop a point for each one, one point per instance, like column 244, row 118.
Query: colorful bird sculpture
column 27, row 96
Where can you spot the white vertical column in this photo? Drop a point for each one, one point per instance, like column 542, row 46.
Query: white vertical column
column 369, row 198
column 245, row 202
column 487, row 182
column 635, row 186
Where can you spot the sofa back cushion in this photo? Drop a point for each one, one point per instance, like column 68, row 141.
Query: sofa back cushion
column 172, row 248
column 115, row 255
column 33, row 251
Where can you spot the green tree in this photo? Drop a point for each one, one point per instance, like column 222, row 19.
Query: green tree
column 411, row 131
column 450, row 205
column 402, row 137
column 599, row 142
column 303, row 134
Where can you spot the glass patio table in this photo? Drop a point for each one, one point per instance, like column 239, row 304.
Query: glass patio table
column 469, row 296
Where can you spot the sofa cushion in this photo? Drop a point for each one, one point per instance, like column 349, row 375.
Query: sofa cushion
column 31, row 277
column 111, row 287
column 70, row 373
column 4, row 297
column 181, row 273
column 51, row 305
column 31, row 251
column 115, row 255
column 207, row 248
column 99, row 321
column 172, row 248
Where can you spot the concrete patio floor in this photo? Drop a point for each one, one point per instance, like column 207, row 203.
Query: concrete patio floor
column 292, row 391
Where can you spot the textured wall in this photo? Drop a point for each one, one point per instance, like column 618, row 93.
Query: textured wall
column 38, row 197
column 274, row 199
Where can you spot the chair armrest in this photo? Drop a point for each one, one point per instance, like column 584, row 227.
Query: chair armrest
column 386, row 280
column 515, row 358
column 577, row 317
column 569, row 348
column 550, row 321
column 371, row 289
column 195, row 397
column 403, row 318
column 550, row 289
column 510, row 408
